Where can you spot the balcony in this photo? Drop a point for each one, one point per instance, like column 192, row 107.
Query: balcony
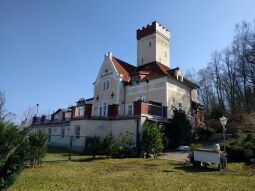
column 154, row 110
column 150, row 108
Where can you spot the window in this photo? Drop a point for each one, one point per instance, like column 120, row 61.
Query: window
column 142, row 60
column 100, row 111
column 106, row 85
column 141, row 88
column 173, row 102
column 103, row 109
column 135, row 80
column 149, row 44
column 77, row 131
column 63, row 132
column 180, row 106
column 79, row 111
column 130, row 109
column 49, row 134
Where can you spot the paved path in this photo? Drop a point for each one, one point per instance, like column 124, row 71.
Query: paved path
column 175, row 156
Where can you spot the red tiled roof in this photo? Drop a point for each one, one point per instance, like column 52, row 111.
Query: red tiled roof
column 151, row 70
column 123, row 68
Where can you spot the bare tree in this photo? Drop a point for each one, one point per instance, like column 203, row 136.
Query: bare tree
column 229, row 78
column 215, row 67
column 242, row 46
column 4, row 115
column 27, row 116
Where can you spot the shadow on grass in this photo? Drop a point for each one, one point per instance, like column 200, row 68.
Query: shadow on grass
column 57, row 150
column 192, row 169
column 90, row 159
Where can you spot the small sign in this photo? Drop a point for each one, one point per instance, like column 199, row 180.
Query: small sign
column 106, row 73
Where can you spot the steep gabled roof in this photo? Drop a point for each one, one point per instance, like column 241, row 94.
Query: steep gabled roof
column 150, row 70
column 123, row 68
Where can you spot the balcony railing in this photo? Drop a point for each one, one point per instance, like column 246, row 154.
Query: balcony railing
column 155, row 110
column 151, row 108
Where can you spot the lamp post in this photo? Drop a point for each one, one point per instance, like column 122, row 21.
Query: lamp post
column 37, row 106
column 223, row 121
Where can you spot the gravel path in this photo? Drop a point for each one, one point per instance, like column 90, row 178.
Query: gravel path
column 175, row 156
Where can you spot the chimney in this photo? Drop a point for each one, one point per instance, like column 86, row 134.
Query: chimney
column 43, row 119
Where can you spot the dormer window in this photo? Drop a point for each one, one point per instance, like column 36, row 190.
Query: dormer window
column 179, row 75
column 135, row 80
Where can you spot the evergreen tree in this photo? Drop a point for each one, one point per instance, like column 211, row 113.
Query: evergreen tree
column 178, row 129
column 14, row 153
column 152, row 140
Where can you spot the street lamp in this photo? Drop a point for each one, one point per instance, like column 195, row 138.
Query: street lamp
column 223, row 121
column 37, row 106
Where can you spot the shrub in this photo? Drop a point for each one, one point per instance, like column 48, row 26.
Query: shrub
column 152, row 140
column 119, row 147
column 241, row 149
column 124, row 145
column 203, row 134
column 37, row 147
column 13, row 153
column 194, row 146
column 109, row 144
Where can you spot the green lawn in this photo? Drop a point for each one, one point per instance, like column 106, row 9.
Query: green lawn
column 131, row 174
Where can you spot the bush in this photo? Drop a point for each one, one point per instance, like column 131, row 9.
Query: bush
column 152, row 140
column 194, row 146
column 241, row 149
column 120, row 147
column 124, row 145
column 202, row 134
column 37, row 147
column 109, row 144
column 14, row 153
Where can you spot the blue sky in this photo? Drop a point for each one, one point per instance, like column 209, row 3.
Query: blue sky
column 51, row 50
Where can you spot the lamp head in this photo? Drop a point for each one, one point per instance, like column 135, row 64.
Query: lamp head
column 223, row 120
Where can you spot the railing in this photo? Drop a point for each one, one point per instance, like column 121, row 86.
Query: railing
column 155, row 110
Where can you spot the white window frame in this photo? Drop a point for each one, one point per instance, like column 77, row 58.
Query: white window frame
column 180, row 107
column 77, row 135
column 105, row 85
column 132, row 109
column 63, row 132
column 173, row 102
column 103, row 109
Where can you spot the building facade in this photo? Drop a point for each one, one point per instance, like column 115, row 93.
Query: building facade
column 126, row 96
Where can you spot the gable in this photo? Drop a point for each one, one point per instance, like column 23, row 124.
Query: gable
column 107, row 70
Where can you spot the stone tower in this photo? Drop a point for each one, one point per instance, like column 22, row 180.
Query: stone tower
column 153, row 44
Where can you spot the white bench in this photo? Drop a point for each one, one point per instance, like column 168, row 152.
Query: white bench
column 209, row 156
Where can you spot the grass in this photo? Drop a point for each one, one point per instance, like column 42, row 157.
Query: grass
column 83, row 173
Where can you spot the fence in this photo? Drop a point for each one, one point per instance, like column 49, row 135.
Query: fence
column 61, row 148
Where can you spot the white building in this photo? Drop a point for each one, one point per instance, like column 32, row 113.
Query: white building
column 126, row 96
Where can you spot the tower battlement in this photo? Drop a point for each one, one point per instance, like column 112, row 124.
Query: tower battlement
column 154, row 27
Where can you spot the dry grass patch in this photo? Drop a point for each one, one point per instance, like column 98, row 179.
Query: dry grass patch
column 133, row 174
